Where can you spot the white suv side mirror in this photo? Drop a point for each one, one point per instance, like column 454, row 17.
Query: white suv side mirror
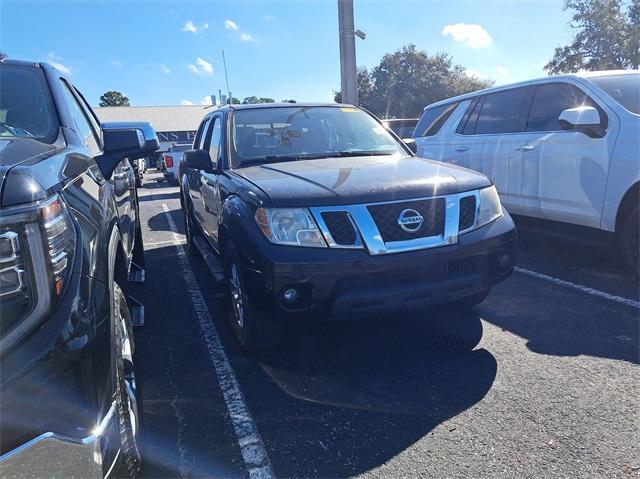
column 583, row 118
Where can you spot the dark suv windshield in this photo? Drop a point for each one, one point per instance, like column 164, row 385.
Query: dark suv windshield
column 26, row 109
column 625, row 89
column 293, row 133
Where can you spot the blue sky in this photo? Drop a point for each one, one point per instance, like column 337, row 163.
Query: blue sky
column 168, row 52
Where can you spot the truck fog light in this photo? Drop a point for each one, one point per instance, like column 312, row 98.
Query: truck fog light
column 290, row 295
column 504, row 262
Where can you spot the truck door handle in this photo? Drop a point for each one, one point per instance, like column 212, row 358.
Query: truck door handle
column 461, row 148
column 525, row 148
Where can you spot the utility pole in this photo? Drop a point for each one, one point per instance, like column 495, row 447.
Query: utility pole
column 226, row 77
column 348, row 69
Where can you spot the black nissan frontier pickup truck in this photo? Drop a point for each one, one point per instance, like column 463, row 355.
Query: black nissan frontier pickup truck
column 318, row 212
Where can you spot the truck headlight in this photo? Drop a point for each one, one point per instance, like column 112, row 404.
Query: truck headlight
column 290, row 226
column 37, row 243
column 490, row 208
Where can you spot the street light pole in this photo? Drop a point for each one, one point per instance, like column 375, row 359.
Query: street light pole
column 348, row 69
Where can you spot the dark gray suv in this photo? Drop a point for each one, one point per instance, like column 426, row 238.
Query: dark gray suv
column 69, row 244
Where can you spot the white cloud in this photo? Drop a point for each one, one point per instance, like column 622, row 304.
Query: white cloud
column 165, row 69
column 473, row 36
column 117, row 64
column 186, row 102
column 205, row 66
column 202, row 67
column 190, row 27
column 230, row 25
column 55, row 62
column 245, row 37
column 193, row 28
column 269, row 18
column 206, row 100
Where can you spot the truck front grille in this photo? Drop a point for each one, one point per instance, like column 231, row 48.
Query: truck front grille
column 340, row 227
column 386, row 217
column 467, row 212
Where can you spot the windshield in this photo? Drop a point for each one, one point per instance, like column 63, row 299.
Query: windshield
column 625, row 89
column 26, row 110
column 293, row 133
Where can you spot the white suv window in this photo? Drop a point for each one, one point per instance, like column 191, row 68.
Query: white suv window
column 504, row 112
column 550, row 100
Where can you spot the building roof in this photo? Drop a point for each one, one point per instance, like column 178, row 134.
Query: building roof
column 163, row 118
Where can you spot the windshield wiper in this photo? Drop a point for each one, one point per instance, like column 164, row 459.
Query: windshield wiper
column 348, row 153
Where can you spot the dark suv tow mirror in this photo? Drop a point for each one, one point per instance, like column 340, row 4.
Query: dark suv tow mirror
column 198, row 160
column 411, row 144
column 121, row 140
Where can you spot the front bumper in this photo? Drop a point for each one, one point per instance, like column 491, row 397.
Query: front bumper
column 50, row 422
column 56, row 455
column 349, row 284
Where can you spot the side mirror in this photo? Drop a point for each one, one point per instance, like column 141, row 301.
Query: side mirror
column 197, row 160
column 411, row 144
column 121, row 140
column 583, row 118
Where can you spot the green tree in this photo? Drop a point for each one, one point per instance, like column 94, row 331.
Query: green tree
column 406, row 81
column 364, row 85
column 114, row 98
column 251, row 100
column 606, row 37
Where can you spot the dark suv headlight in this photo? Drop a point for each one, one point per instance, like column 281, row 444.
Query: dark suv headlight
column 37, row 243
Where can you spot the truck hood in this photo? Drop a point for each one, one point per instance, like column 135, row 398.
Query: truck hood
column 16, row 151
column 335, row 181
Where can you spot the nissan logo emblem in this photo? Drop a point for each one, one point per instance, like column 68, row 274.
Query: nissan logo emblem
column 410, row 220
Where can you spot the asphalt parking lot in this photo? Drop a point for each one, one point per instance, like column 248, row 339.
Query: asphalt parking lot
column 540, row 380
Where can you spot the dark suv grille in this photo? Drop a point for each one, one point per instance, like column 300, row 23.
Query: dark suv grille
column 386, row 219
column 467, row 212
column 340, row 227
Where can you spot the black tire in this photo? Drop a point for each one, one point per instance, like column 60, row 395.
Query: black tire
column 127, row 395
column 470, row 301
column 254, row 331
column 629, row 242
column 189, row 228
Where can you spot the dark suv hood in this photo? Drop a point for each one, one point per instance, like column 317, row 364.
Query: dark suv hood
column 16, row 151
column 333, row 181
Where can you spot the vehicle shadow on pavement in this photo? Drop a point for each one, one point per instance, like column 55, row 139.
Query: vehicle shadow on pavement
column 159, row 222
column 559, row 321
column 359, row 393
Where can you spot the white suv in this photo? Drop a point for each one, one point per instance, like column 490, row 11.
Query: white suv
column 563, row 148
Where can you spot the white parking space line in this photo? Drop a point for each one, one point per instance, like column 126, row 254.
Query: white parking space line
column 251, row 446
column 579, row 287
column 160, row 243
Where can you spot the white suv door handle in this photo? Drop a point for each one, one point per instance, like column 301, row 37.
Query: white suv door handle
column 461, row 148
column 525, row 148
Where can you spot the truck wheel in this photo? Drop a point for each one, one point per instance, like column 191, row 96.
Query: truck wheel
column 189, row 228
column 128, row 402
column 629, row 242
column 253, row 330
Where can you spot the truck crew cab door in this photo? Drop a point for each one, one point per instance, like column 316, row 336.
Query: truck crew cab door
column 210, row 181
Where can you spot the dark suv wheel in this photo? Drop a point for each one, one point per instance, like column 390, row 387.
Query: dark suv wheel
column 253, row 330
column 128, row 401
